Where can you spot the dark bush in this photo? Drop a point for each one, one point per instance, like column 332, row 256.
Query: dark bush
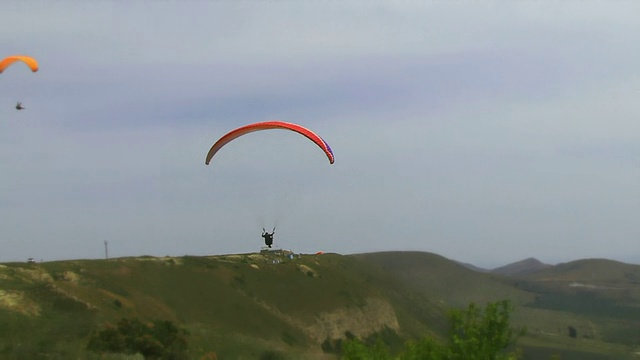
column 272, row 355
column 159, row 339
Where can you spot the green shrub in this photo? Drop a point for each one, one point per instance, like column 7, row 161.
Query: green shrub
column 159, row 339
column 474, row 334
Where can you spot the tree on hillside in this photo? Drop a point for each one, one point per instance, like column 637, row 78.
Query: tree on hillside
column 159, row 339
column 355, row 349
column 477, row 335
column 473, row 334
column 425, row 348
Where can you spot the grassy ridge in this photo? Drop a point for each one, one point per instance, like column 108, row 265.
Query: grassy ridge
column 235, row 306
column 602, row 309
column 243, row 306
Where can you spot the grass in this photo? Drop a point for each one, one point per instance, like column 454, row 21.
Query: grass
column 247, row 306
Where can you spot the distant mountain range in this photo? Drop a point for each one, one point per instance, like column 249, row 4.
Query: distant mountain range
column 523, row 267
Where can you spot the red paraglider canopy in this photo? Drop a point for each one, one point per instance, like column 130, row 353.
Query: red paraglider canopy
column 266, row 125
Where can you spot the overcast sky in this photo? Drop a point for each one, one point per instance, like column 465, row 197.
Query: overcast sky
column 483, row 131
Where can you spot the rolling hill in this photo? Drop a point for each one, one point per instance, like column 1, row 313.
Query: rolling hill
column 300, row 306
column 523, row 267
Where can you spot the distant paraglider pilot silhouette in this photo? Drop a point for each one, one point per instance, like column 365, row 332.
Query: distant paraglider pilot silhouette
column 19, row 106
column 268, row 237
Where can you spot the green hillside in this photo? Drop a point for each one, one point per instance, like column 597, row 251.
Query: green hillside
column 605, row 321
column 443, row 280
column 297, row 306
column 238, row 306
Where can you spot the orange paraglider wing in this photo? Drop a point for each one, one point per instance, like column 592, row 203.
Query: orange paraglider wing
column 266, row 125
column 8, row 61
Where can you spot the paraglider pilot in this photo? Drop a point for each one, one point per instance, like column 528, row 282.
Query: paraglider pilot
column 268, row 238
column 19, row 106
